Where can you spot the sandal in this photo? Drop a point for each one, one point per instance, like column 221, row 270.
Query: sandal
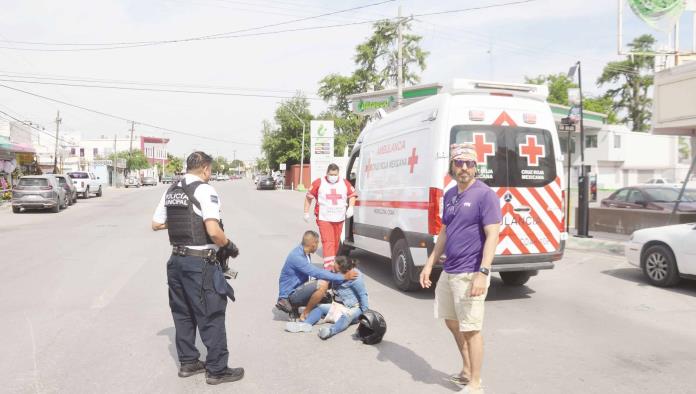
column 459, row 380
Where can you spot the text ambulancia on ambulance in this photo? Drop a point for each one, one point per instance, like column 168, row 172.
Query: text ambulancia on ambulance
column 399, row 166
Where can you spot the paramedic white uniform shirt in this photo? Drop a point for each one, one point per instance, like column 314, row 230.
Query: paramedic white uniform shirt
column 210, row 206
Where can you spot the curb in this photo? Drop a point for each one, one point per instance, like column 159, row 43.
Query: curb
column 612, row 247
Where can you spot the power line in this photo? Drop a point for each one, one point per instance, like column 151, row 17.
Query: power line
column 35, row 127
column 129, row 44
column 106, row 114
column 56, row 77
column 235, row 34
column 156, row 90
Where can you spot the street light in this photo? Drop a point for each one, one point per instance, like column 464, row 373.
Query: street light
column 583, row 203
column 300, row 185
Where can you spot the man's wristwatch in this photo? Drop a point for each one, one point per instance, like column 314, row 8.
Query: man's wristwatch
column 485, row 271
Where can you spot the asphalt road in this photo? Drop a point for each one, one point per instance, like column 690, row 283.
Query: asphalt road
column 83, row 306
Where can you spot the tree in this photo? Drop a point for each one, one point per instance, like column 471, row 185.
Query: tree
column 135, row 161
column 282, row 141
column 376, row 69
column 559, row 84
column 220, row 165
column 174, row 164
column 634, row 76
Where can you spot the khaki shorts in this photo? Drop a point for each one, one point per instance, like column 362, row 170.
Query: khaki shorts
column 452, row 301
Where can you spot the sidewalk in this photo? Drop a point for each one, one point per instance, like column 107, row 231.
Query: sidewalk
column 600, row 242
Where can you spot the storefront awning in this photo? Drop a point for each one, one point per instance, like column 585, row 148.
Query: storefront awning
column 22, row 148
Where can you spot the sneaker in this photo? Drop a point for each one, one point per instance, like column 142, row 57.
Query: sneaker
column 324, row 333
column 294, row 326
column 284, row 305
column 228, row 375
column 190, row 369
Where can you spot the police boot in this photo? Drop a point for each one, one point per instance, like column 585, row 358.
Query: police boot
column 228, row 375
column 190, row 369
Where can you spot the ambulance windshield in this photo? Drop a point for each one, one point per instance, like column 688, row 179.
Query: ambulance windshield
column 510, row 156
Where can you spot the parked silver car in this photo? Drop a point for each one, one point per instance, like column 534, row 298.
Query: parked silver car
column 66, row 182
column 38, row 192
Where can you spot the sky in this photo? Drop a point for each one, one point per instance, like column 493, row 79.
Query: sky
column 503, row 44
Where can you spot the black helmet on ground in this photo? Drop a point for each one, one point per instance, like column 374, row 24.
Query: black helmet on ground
column 371, row 327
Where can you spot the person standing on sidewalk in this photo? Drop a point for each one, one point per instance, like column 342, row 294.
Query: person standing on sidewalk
column 335, row 199
column 468, row 238
column 190, row 212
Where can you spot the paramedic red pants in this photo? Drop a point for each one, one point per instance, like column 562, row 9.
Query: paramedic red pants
column 330, row 238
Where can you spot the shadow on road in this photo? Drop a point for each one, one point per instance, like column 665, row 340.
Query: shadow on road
column 635, row 275
column 379, row 269
column 410, row 362
column 498, row 291
column 171, row 333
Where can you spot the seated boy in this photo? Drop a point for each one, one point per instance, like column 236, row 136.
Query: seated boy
column 352, row 294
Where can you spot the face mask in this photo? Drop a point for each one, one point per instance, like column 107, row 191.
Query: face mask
column 333, row 178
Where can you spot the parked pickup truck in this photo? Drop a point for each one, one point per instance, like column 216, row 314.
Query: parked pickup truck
column 86, row 183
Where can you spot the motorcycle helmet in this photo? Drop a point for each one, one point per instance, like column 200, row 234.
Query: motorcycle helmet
column 371, row 327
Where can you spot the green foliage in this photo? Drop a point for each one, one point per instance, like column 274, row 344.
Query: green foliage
column 134, row 161
column 634, row 78
column 376, row 69
column 558, row 86
column 174, row 164
column 282, row 141
column 603, row 105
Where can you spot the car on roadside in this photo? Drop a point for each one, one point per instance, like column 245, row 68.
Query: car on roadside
column 86, row 183
column 657, row 198
column 665, row 254
column 149, row 181
column 38, row 192
column 132, row 181
column 167, row 179
column 660, row 181
column 66, row 183
column 266, row 183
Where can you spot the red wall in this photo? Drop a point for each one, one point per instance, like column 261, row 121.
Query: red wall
column 292, row 176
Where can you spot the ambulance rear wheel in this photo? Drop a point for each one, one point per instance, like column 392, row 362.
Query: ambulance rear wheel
column 402, row 266
column 515, row 278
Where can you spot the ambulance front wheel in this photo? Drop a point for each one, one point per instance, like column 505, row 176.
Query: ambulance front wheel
column 403, row 269
column 515, row 278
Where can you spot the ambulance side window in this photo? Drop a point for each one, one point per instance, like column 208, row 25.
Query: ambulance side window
column 531, row 158
column 490, row 145
column 353, row 165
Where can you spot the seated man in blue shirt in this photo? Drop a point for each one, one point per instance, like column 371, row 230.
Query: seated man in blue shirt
column 295, row 288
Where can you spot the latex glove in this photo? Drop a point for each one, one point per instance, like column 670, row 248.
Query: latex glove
column 306, row 217
column 349, row 212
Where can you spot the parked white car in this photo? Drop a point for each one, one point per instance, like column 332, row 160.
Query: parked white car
column 664, row 254
column 86, row 183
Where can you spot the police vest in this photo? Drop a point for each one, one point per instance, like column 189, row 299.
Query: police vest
column 184, row 226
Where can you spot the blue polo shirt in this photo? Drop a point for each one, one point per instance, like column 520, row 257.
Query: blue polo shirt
column 297, row 270
column 465, row 214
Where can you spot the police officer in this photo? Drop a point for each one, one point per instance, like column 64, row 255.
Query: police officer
column 190, row 211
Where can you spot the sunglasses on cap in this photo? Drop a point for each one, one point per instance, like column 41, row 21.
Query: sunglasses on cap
column 462, row 163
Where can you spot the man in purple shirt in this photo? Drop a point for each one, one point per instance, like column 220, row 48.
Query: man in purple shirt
column 469, row 236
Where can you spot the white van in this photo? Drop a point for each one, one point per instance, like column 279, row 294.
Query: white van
column 399, row 168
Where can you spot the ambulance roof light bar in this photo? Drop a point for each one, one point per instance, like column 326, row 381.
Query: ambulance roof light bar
column 497, row 86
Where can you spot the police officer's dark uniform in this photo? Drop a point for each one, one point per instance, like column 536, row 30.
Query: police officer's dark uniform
column 197, row 289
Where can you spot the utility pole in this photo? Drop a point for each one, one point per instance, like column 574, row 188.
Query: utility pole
column 400, row 63
column 234, row 159
column 114, row 172
column 55, row 154
column 130, row 150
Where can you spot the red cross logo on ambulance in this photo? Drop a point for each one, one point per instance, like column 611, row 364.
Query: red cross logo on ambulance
column 532, row 151
column 484, row 149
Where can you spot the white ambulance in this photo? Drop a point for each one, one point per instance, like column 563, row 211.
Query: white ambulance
column 399, row 167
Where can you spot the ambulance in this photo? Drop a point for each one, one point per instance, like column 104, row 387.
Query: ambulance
column 399, row 166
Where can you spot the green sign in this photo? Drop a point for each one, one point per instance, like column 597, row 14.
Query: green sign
column 372, row 105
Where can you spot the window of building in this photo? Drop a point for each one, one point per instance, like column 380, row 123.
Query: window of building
column 617, row 141
column 72, row 151
column 590, row 141
column 82, row 152
column 95, row 152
